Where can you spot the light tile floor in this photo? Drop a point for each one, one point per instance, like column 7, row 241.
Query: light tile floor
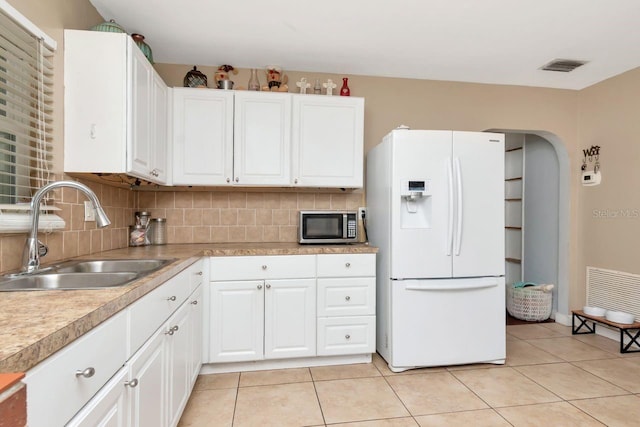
column 551, row 378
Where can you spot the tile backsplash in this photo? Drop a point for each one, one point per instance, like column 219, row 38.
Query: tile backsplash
column 78, row 237
column 192, row 217
column 237, row 216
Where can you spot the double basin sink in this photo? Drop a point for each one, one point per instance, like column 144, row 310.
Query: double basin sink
column 83, row 274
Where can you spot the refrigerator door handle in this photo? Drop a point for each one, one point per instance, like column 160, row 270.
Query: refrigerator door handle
column 459, row 205
column 451, row 286
column 450, row 216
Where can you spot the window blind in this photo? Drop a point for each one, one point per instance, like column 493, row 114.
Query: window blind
column 26, row 107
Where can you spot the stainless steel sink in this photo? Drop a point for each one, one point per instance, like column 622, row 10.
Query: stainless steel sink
column 111, row 266
column 67, row 281
column 84, row 274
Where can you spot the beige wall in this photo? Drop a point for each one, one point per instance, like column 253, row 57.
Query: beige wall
column 609, row 214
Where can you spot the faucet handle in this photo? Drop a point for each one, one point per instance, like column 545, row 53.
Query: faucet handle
column 42, row 249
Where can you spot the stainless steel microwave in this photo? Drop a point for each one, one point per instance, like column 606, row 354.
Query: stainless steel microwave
column 328, row 227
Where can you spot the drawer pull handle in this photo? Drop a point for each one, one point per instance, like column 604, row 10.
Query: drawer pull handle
column 194, row 302
column 347, row 298
column 264, row 267
column 199, row 273
column 171, row 298
column 133, row 383
column 348, row 336
column 228, row 180
column 87, row 373
column 259, row 286
column 268, row 286
column 348, row 265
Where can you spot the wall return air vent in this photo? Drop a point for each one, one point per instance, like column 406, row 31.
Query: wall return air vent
column 563, row 65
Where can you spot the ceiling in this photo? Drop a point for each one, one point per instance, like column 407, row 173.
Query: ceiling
column 488, row 41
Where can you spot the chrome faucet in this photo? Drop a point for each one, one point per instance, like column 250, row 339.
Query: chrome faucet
column 31, row 255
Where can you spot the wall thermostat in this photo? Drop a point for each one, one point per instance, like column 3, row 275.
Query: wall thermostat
column 591, row 178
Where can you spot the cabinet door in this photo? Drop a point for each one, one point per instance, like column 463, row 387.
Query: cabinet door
column 147, row 399
column 262, row 138
column 327, row 141
column 178, row 339
column 195, row 329
column 236, row 321
column 141, row 110
column 95, row 107
column 202, row 136
column 159, row 131
column 290, row 318
column 108, row 408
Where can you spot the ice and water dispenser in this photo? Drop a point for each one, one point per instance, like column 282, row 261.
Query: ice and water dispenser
column 416, row 204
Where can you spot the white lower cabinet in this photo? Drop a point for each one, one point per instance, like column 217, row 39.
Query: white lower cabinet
column 278, row 307
column 150, row 388
column 262, row 319
column 108, row 408
column 346, row 304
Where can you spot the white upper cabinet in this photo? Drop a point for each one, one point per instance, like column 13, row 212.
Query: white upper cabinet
column 115, row 107
column 202, row 136
column 266, row 139
column 262, row 139
column 327, row 140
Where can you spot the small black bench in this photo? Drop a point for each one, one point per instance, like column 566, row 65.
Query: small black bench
column 630, row 330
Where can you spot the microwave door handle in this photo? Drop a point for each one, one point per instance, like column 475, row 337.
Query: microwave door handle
column 345, row 220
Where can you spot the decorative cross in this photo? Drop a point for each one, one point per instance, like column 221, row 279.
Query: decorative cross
column 303, row 85
column 330, row 86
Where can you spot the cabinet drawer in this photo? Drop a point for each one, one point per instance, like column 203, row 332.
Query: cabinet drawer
column 54, row 391
column 152, row 310
column 196, row 275
column 339, row 265
column 346, row 296
column 262, row 267
column 346, row 335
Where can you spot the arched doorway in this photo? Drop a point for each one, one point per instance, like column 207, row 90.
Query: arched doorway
column 543, row 201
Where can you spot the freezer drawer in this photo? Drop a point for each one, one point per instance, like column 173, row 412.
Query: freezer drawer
column 447, row 322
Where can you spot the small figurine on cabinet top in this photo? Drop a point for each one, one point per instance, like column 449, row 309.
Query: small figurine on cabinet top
column 222, row 75
column 329, row 86
column 303, row 85
column 276, row 81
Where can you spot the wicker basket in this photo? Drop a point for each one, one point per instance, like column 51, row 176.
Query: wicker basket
column 528, row 304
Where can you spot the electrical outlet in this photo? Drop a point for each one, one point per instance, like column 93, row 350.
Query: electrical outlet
column 89, row 211
column 362, row 211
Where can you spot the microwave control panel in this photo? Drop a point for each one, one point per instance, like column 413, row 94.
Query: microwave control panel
column 352, row 224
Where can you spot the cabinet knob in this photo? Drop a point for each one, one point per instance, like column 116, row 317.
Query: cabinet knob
column 133, row 383
column 264, row 267
column 268, row 286
column 348, row 265
column 237, row 179
column 171, row 298
column 295, row 181
column 199, row 273
column 228, row 180
column 347, row 298
column 194, row 302
column 259, row 286
column 87, row 373
column 172, row 330
column 348, row 337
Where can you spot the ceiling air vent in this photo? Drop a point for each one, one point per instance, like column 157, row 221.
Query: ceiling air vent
column 563, row 65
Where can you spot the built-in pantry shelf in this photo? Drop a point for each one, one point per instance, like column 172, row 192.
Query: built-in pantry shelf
column 513, row 149
column 513, row 260
column 519, row 178
column 513, row 228
column 513, row 200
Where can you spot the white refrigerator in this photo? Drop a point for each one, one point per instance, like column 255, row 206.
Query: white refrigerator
column 435, row 203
